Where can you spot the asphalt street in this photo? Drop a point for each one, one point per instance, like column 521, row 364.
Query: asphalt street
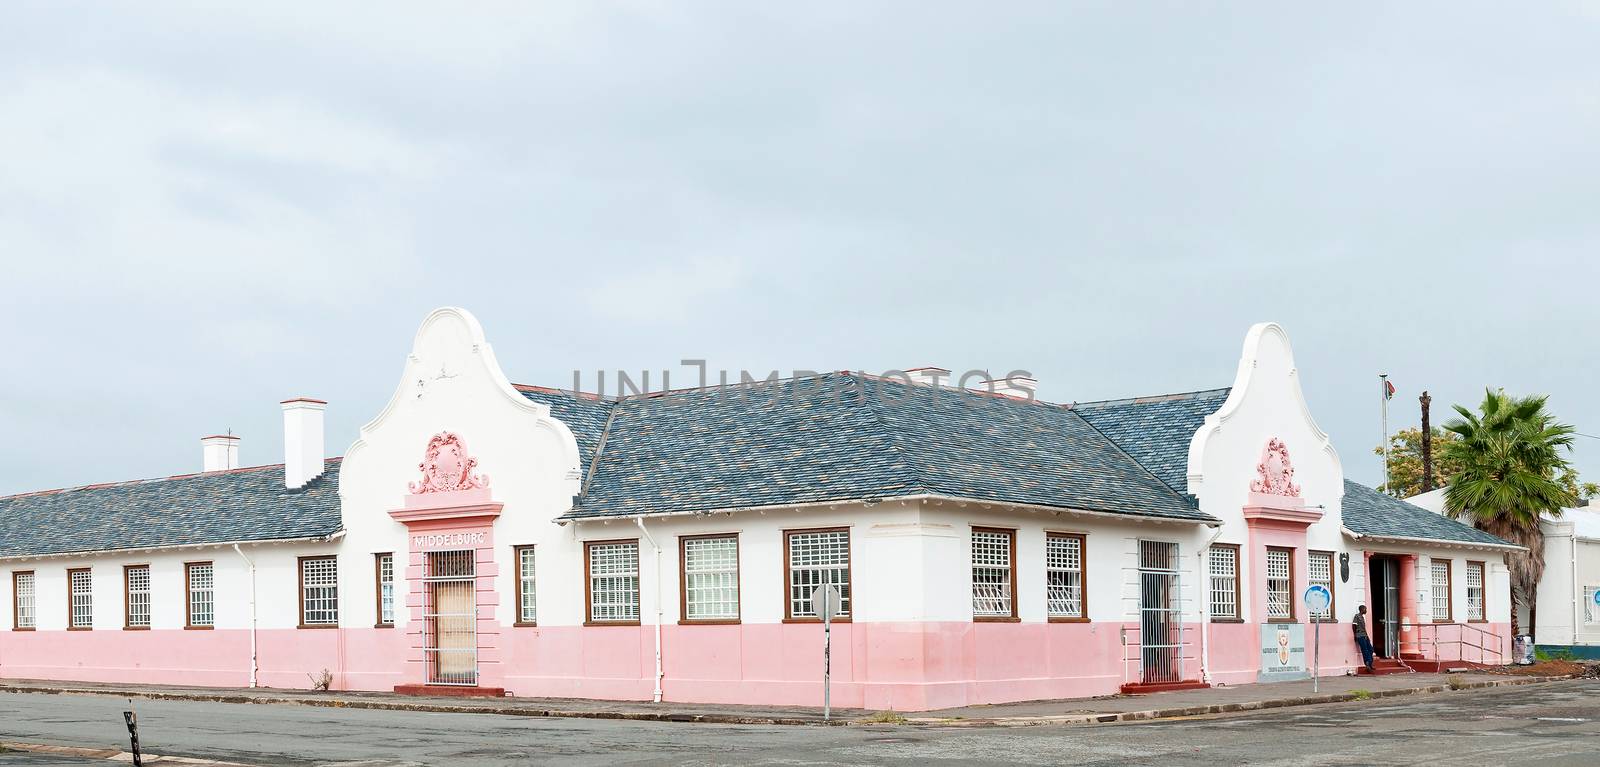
column 1546, row 724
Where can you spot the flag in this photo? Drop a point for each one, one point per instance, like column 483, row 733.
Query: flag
column 1388, row 389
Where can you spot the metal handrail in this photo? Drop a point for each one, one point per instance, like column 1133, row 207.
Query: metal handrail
column 1482, row 640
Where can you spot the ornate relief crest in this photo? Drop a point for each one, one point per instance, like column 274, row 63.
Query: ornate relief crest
column 446, row 467
column 1275, row 474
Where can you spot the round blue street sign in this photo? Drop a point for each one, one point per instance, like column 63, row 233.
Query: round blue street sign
column 1317, row 598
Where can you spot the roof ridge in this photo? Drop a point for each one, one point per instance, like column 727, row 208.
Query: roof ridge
column 1185, row 497
column 1151, row 398
column 893, row 437
column 152, row 480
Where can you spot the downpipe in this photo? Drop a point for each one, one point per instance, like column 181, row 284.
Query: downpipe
column 254, row 661
column 1201, row 585
column 656, row 695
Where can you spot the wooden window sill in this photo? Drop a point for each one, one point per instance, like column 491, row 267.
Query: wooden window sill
column 198, row 628
column 22, row 628
column 610, row 623
column 526, row 624
column 80, row 628
column 1227, row 620
column 317, row 626
column 815, row 620
column 996, row 619
column 383, row 625
column 1065, row 619
column 708, row 622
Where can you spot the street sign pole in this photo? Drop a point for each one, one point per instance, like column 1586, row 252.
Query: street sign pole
column 1316, row 655
column 827, row 653
column 1317, row 599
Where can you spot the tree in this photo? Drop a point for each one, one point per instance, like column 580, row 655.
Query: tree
column 1405, row 461
column 1510, row 462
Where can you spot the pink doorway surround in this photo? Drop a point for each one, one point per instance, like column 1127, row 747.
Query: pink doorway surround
column 450, row 509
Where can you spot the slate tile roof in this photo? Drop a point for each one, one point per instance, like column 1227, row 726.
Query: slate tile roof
column 584, row 415
column 1369, row 512
column 843, row 436
column 221, row 507
column 1156, row 431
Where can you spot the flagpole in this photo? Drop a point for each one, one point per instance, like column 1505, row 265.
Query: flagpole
column 1383, row 390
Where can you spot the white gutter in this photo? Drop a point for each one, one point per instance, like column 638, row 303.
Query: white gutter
column 254, row 660
column 640, row 520
column 1205, row 609
column 1432, row 542
column 334, row 536
column 918, row 497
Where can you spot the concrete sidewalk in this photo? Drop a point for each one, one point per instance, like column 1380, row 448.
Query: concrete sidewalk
column 1078, row 711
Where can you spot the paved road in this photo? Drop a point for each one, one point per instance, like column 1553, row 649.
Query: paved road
column 1547, row 724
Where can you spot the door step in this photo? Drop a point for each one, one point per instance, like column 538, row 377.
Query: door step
column 1140, row 688
column 450, row 691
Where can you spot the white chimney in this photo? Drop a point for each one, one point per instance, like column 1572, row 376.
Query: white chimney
column 1015, row 385
column 220, row 452
column 302, row 441
column 929, row 376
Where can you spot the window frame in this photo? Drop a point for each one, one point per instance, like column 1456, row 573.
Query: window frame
column 377, row 590
column 1449, row 591
column 16, row 600
column 70, row 571
column 188, row 596
column 588, row 583
column 849, row 574
column 1083, row 577
column 516, row 560
column 1011, row 556
column 683, row 581
column 1333, row 578
column 1483, row 586
column 300, row 587
column 1266, row 585
column 1238, row 588
column 127, row 597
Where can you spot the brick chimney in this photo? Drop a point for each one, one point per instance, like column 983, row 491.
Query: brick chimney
column 303, row 456
column 219, row 452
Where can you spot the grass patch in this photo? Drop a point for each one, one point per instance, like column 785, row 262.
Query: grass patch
column 1454, row 681
column 1361, row 694
column 884, row 717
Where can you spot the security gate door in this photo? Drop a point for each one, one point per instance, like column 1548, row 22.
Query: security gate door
column 1160, row 613
column 1391, row 607
column 450, row 614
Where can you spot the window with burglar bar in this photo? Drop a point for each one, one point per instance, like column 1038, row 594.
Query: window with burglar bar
column 202, row 593
column 137, row 580
column 1063, row 565
column 991, row 574
column 385, row 566
column 81, row 599
column 815, row 558
column 23, row 600
column 613, row 581
column 319, row 591
column 527, row 587
column 1223, row 564
column 1440, row 586
column 1475, row 591
column 1320, row 565
column 711, row 578
column 1280, row 584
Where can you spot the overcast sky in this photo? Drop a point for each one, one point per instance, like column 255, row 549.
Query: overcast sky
column 204, row 212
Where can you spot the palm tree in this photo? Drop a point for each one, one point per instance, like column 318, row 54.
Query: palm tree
column 1510, row 459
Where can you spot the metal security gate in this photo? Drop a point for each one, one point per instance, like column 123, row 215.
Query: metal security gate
column 1391, row 607
column 1160, row 613
column 450, row 617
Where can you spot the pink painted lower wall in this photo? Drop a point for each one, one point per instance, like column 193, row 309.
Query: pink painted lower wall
column 900, row 666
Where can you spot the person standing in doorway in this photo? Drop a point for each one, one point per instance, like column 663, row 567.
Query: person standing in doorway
column 1359, row 625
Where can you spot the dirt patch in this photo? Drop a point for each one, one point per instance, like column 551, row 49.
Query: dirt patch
column 1550, row 668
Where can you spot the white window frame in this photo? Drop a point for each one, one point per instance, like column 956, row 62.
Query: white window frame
column 811, row 558
column 319, row 592
column 80, row 602
column 383, row 567
column 1280, row 584
column 1315, row 579
column 1222, row 567
column 710, row 571
column 527, row 586
column 1439, row 590
column 994, row 590
column 612, row 581
column 1066, row 581
column 136, row 596
column 24, row 600
column 1477, row 596
column 200, row 607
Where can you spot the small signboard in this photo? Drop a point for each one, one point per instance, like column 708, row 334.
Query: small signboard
column 825, row 600
column 1318, row 597
column 1283, row 652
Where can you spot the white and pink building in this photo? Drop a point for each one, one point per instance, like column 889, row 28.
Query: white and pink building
column 484, row 537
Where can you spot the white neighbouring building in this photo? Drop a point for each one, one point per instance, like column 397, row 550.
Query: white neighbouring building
column 483, row 537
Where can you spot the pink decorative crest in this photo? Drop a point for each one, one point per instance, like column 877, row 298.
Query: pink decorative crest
column 446, row 467
column 1275, row 474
